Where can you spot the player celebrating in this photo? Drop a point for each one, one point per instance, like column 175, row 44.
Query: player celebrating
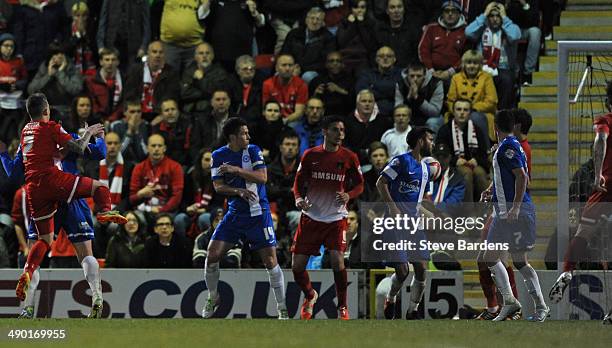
column 598, row 203
column 320, row 191
column 75, row 219
column 402, row 185
column 239, row 171
column 513, row 220
column 46, row 185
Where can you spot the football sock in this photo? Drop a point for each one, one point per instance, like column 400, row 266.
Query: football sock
column 396, row 286
column 91, row 269
column 102, row 198
column 510, row 272
column 575, row 252
column 417, row 287
column 211, row 276
column 303, row 280
column 36, row 256
column 500, row 276
column 487, row 285
column 29, row 301
column 533, row 285
column 340, row 278
column 277, row 283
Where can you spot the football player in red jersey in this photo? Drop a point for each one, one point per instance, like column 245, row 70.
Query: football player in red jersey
column 598, row 204
column 42, row 141
column 320, row 191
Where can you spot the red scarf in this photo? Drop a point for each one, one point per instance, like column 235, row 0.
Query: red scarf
column 116, row 185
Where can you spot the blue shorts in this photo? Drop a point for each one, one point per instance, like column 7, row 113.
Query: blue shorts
column 74, row 218
column 257, row 231
column 414, row 254
column 520, row 234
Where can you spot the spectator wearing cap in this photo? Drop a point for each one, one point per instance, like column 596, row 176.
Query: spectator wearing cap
column 443, row 42
column 310, row 44
column 59, row 80
column 395, row 138
column 13, row 81
column 167, row 249
column 35, row 25
column 495, row 34
column 470, row 152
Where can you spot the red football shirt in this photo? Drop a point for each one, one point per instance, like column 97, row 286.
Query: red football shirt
column 320, row 175
column 527, row 148
column 40, row 142
column 295, row 92
column 603, row 123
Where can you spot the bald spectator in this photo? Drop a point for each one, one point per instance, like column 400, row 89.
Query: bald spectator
column 383, row 81
column 157, row 182
column 152, row 81
column 366, row 124
column 201, row 78
column 309, row 44
column 176, row 130
column 208, row 126
column 334, row 86
column 126, row 26
column 289, row 90
column 309, row 129
column 181, row 30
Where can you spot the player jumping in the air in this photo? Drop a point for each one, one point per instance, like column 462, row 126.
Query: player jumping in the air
column 513, row 220
column 75, row 218
column 321, row 193
column 46, row 185
column 598, row 204
column 523, row 121
column 238, row 171
column 402, row 185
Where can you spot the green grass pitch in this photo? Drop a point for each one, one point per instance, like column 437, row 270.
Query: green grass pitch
column 117, row 333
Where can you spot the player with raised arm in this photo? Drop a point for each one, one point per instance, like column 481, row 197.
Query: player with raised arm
column 238, row 171
column 598, row 204
column 402, row 185
column 75, row 218
column 46, row 184
column 513, row 220
column 321, row 193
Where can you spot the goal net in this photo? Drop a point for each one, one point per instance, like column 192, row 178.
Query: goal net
column 584, row 67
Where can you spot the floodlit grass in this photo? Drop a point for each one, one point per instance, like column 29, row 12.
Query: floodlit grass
column 117, row 333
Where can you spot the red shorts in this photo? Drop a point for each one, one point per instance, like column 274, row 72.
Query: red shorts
column 55, row 187
column 598, row 204
column 311, row 234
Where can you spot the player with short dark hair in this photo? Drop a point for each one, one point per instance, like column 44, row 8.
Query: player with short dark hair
column 46, row 185
column 238, row 171
column 513, row 220
column 402, row 184
column 598, row 204
column 321, row 193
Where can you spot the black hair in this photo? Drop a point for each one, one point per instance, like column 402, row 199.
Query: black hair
column 36, row 105
column 232, row 127
column 416, row 65
column 416, row 134
column 504, row 120
column 288, row 133
column 74, row 116
column 162, row 215
column 523, row 117
column 329, row 120
column 377, row 145
column 355, row 3
column 271, row 101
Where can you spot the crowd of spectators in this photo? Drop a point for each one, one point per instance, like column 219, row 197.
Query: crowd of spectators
column 163, row 77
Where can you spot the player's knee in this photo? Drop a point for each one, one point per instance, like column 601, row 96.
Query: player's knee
column 295, row 268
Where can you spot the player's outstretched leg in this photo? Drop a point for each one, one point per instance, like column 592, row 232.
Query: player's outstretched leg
column 417, row 288
column 27, row 312
column 35, row 257
column 511, row 304
column 211, row 275
column 91, row 269
column 533, row 287
column 301, row 277
column 87, row 187
column 397, row 281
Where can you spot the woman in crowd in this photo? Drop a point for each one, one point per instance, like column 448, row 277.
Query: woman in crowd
column 80, row 114
column 126, row 248
column 354, row 35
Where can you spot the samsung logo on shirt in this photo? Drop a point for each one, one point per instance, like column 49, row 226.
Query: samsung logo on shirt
column 327, row 176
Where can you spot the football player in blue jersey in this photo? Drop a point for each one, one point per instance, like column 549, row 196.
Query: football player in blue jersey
column 402, row 185
column 513, row 220
column 239, row 172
